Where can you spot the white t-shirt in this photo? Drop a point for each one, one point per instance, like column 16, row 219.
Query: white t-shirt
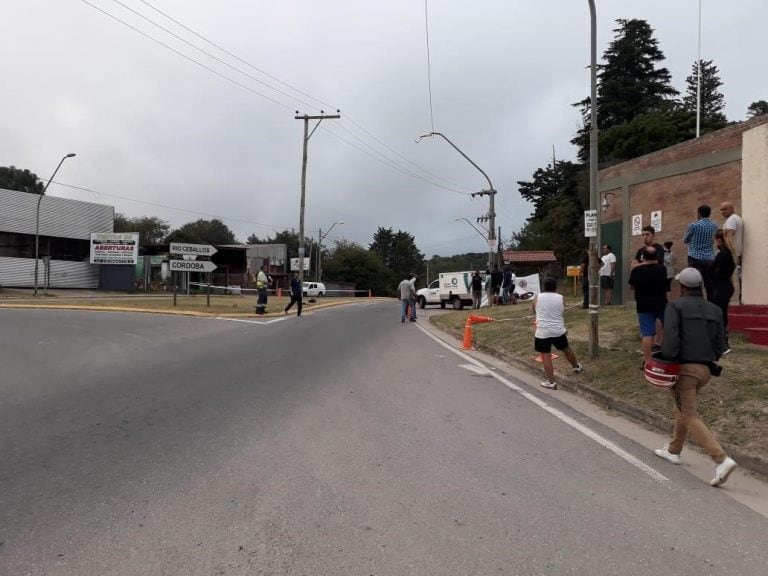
column 735, row 223
column 549, row 315
column 607, row 260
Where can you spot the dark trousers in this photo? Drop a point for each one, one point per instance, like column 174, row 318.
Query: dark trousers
column 721, row 296
column 261, row 302
column 585, row 291
column 299, row 304
column 703, row 266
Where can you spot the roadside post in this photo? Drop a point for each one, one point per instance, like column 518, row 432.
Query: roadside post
column 190, row 263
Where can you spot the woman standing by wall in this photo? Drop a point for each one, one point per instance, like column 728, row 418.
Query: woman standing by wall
column 669, row 263
column 722, row 271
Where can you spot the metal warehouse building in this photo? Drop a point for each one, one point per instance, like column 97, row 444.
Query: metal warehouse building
column 64, row 246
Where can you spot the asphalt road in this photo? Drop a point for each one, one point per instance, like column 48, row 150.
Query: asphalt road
column 342, row 442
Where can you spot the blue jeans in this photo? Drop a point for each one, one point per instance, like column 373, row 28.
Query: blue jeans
column 403, row 307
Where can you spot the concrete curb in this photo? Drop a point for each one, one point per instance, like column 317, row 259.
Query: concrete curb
column 752, row 462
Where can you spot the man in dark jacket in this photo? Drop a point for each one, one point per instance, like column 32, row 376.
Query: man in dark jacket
column 693, row 337
column 296, row 294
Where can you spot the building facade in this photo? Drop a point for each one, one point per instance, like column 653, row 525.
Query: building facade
column 665, row 188
column 65, row 229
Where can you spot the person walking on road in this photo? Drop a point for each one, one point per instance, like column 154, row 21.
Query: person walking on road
column 296, row 294
column 405, row 290
column 549, row 308
column 694, row 338
column 413, row 296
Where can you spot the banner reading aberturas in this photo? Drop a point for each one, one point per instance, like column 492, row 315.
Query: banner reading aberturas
column 114, row 248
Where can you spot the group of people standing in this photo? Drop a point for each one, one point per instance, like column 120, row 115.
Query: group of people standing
column 690, row 331
column 499, row 286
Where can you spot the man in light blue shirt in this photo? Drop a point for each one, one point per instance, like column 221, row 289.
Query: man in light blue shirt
column 700, row 238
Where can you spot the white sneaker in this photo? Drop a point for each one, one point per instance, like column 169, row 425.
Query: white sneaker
column 667, row 455
column 728, row 351
column 723, row 470
column 548, row 384
column 578, row 369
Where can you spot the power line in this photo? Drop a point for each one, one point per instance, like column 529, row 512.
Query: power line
column 98, row 194
column 166, row 46
column 388, row 162
column 219, row 60
column 429, row 66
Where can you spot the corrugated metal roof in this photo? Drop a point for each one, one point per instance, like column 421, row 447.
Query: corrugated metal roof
column 59, row 217
column 531, row 257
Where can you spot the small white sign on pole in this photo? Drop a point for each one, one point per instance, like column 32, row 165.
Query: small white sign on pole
column 191, row 266
column 656, row 221
column 590, row 223
column 184, row 249
column 295, row 264
column 637, row 225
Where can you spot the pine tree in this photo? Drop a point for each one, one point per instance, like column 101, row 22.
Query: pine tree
column 712, row 100
column 757, row 109
column 630, row 82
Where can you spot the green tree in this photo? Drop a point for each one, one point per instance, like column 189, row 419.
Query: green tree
column 397, row 251
column 151, row 229
column 631, row 82
column 12, row 178
column 203, row 232
column 645, row 134
column 558, row 194
column 757, row 109
column 350, row 262
column 712, row 100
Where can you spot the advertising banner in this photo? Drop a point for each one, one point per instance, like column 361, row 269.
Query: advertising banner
column 114, row 248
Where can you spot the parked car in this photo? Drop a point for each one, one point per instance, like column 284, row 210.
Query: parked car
column 430, row 295
column 314, row 289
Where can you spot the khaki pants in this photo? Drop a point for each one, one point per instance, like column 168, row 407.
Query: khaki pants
column 693, row 377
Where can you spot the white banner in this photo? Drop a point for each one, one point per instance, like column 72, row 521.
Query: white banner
column 525, row 284
column 114, row 248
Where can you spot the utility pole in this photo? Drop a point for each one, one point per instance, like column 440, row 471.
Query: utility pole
column 594, row 241
column 307, row 135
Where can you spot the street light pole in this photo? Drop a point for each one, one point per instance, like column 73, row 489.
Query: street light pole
column 491, row 191
column 37, row 217
column 490, row 253
column 594, row 241
column 320, row 238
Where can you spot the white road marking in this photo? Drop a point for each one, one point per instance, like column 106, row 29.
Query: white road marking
column 589, row 433
column 480, row 370
column 246, row 321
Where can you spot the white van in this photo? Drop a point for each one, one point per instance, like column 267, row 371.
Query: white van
column 314, row 289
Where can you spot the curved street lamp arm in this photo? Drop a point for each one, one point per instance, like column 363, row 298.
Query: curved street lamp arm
column 444, row 137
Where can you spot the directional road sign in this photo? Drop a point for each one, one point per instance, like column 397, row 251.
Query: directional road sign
column 191, row 266
column 192, row 249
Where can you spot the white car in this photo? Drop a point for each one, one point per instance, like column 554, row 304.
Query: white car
column 314, row 289
column 430, row 295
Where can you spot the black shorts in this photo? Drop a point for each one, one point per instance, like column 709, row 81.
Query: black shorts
column 545, row 344
column 606, row 282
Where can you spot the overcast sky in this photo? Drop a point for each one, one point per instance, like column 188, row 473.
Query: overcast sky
column 157, row 134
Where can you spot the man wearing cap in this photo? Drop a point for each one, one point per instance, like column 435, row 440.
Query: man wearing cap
column 693, row 337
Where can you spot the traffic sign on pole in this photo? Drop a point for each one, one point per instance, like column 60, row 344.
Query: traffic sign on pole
column 192, row 249
column 191, row 266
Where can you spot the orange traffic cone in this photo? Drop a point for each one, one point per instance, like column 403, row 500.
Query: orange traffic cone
column 467, row 344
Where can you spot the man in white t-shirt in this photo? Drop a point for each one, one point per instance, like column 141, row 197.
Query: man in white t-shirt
column 607, row 274
column 549, row 307
column 734, row 229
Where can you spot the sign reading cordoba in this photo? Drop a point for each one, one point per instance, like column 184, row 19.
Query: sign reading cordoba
column 191, row 266
column 192, row 249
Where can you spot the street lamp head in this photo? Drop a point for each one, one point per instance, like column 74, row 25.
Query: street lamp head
column 70, row 155
column 424, row 136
